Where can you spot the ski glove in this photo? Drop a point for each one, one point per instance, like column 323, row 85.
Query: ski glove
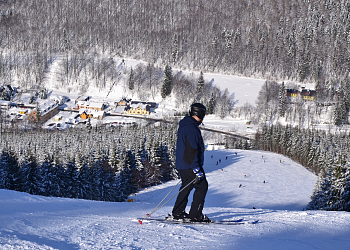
column 198, row 173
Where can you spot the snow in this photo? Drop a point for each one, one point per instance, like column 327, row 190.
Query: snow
column 35, row 222
column 244, row 89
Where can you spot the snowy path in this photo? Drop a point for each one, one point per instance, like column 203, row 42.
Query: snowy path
column 34, row 222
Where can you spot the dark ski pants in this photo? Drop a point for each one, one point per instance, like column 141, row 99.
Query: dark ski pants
column 201, row 188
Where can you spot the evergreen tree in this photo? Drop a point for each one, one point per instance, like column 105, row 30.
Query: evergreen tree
column 282, row 100
column 57, row 185
column 131, row 81
column 200, row 84
column 211, row 104
column 38, row 119
column 340, row 112
column 337, row 184
column 320, row 195
column 344, row 203
column 88, row 125
column 29, row 175
column 71, row 180
column 8, row 170
column 175, row 49
column 125, row 177
column 4, row 95
column 43, row 94
column 110, row 185
column 46, row 172
column 167, row 83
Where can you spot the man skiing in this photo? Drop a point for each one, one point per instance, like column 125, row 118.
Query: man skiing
column 189, row 163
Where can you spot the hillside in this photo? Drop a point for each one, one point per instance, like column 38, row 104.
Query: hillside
column 298, row 40
column 35, row 222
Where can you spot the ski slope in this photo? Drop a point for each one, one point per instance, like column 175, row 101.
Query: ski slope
column 35, row 222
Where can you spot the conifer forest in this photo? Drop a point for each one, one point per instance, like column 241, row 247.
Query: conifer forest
column 98, row 163
column 278, row 40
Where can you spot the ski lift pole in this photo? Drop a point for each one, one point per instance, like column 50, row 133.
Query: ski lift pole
column 160, row 206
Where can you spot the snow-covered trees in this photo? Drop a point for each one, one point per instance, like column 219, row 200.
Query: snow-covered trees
column 282, row 100
column 98, row 163
column 267, row 101
column 8, row 170
column 131, row 83
column 168, row 81
column 303, row 40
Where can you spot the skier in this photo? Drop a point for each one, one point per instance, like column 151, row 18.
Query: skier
column 189, row 163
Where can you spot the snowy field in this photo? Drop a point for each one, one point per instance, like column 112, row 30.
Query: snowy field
column 34, row 222
column 244, row 89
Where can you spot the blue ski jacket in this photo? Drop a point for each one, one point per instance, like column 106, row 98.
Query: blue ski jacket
column 189, row 146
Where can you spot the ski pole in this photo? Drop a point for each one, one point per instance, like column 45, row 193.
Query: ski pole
column 158, row 206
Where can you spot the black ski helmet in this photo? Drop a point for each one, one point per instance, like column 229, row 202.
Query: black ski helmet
column 198, row 110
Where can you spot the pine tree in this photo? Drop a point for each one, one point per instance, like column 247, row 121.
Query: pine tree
column 4, row 95
column 29, row 175
column 345, row 194
column 340, row 112
column 46, row 170
column 57, row 185
column 71, row 180
column 282, row 100
column 175, row 49
column 200, row 83
column 86, row 181
column 211, row 104
column 131, row 81
column 88, row 125
column 320, row 196
column 8, row 170
column 38, row 119
column 126, row 186
column 167, row 83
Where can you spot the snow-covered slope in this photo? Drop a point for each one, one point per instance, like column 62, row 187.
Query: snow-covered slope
column 34, row 222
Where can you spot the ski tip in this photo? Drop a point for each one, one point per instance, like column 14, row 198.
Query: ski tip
column 140, row 221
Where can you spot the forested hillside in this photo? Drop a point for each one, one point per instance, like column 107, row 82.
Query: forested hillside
column 297, row 39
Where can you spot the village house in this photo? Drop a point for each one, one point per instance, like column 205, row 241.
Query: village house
column 84, row 114
column 5, row 104
column 82, row 99
column 119, row 107
column 47, row 110
column 90, row 105
column 152, row 105
column 58, row 118
column 59, row 99
column 292, row 92
column 123, row 102
column 88, row 113
column 306, row 94
column 138, row 109
column 23, row 111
